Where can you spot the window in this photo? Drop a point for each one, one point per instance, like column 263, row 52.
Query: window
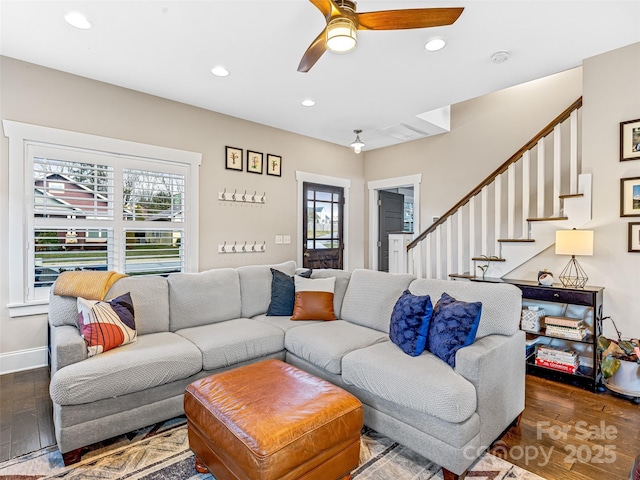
column 100, row 204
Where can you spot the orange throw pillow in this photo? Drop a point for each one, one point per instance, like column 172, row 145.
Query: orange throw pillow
column 314, row 298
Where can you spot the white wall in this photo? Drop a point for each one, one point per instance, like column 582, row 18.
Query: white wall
column 41, row 96
column 611, row 95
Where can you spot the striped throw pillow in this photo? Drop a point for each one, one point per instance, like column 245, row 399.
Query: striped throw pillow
column 314, row 298
column 106, row 325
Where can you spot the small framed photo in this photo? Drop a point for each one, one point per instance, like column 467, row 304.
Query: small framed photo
column 254, row 162
column 233, row 158
column 630, row 197
column 630, row 140
column 634, row 237
column 274, row 165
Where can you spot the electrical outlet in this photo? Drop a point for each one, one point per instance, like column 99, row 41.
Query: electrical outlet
column 286, row 239
column 279, row 240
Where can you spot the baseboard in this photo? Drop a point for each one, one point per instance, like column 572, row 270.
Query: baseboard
column 24, row 360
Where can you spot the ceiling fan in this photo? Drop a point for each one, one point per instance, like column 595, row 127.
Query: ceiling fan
column 339, row 35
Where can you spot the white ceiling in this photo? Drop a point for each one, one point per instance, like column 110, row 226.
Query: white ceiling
column 167, row 48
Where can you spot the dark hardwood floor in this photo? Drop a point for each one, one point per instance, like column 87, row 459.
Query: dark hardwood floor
column 25, row 413
column 565, row 432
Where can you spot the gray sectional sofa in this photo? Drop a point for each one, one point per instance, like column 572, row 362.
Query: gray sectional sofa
column 192, row 325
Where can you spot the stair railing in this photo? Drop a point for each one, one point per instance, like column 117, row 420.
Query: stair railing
column 475, row 232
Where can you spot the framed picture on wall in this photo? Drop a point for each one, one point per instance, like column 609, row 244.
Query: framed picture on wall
column 634, row 237
column 233, row 159
column 630, row 197
column 254, row 162
column 274, row 165
column 630, row 140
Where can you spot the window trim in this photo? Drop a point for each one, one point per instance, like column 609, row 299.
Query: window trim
column 20, row 136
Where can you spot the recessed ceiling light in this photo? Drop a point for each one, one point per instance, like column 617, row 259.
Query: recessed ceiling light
column 220, row 71
column 435, row 44
column 307, row 102
column 78, row 20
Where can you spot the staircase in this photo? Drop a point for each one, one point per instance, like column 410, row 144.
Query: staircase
column 513, row 214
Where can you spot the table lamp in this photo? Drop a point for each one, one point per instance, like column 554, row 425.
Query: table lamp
column 574, row 242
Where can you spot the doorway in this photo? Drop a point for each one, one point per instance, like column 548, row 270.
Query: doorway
column 323, row 244
column 409, row 186
column 395, row 215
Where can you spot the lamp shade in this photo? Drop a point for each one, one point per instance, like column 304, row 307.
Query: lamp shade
column 574, row 242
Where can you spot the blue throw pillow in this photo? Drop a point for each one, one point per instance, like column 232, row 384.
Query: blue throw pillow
column 410, row 322
column 283, row 293
column 454, row 325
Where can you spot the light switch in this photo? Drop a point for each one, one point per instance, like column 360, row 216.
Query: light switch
column 278, row 239
column 287, row 239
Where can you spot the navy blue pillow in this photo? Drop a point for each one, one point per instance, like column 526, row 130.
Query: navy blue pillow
column 454, row 325
column 410, row 322
column 283, row 293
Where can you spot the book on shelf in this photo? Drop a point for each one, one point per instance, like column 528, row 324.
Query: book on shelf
column 563, row 367
column 563, row 321
column 566, row 332
column 568, row 357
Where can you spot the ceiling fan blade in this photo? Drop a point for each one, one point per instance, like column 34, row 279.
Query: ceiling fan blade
column 410, row 18
column 327, row 7
column 313, row 53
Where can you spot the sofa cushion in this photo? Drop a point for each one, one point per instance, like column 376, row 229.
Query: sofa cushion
column 501, row 302
column 203, row 298
column 255, row 286
column 227, row 343
column 342, row 282
column 283, row 292
column 62, row 310
column 370, row 298
column 284, row 323
column 410, row 322
column 324, row 344
column 150, row 295
column 106, row 325
column 154, row 359
column 454, row 325
column 314, row 299
column 423, row 383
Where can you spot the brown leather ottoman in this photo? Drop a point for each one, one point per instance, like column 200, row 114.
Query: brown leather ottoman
column 271, row 420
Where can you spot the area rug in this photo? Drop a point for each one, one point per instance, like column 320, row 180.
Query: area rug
column 162, row 452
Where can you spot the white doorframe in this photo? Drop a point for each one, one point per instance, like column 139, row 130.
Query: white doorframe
column 374, row 187
column 345, row 183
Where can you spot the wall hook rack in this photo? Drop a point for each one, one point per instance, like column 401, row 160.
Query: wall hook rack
column 228, row 196
column 246, row 247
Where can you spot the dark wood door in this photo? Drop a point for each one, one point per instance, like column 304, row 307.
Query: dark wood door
column 391, row 219
column 322, row 232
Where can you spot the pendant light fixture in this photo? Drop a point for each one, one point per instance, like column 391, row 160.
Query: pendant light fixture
column 357, row 144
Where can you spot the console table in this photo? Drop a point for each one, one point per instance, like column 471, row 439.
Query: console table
column 569, row 300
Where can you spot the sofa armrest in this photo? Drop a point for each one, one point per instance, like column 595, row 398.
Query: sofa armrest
column 67, row 347
column 495, row 365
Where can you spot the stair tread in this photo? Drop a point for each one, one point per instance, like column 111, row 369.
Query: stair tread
column 571, row 195
column 519, row 240
column 461, row 275
column 543, row 219
column 493, row 259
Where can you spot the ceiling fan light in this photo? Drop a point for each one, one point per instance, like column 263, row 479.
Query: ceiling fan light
column 341, row 35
